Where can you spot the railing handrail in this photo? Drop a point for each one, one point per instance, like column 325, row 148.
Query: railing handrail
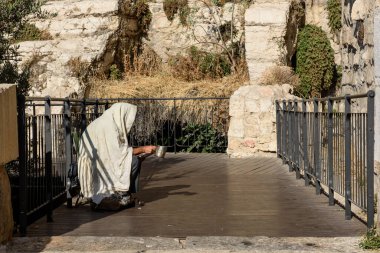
column 370, row 93
column 100, row 100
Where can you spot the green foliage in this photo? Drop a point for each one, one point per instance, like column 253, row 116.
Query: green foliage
column 315, row 62
column 334, row 9
column 14, row 15
column 29, row 32
column 202, row 138
column 115, row 73
column 139, row 9
column 370, row 241
column 172, row 7
column 200, row 65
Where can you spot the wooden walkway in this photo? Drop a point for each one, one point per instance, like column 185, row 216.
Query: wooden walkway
column 211, row 195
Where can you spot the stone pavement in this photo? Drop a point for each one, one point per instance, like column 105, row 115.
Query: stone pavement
column 190, row 244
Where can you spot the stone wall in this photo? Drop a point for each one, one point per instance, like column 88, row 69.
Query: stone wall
column 83, row 33
column 8, row 152
column 253, row 119
column 357, row 46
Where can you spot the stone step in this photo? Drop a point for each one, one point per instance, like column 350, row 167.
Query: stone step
column 190, row 244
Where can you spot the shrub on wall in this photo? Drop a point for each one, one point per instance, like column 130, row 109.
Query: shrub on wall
column 29, row 32
column 199, row 65
column 334, row 9
column 172, row 7
column 315, row 62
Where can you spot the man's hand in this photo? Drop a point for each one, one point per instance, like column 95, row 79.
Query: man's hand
column 149, row 149
column 144, row 149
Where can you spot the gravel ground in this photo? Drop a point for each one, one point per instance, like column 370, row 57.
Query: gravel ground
column 84, row 244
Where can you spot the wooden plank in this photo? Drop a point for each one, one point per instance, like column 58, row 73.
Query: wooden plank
column 198, row 195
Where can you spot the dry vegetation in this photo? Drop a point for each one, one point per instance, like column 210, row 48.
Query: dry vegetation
column 146, row 76
column 280, row 75
column 165, row 85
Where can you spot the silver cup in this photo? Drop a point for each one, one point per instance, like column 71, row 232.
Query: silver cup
column 161, row 151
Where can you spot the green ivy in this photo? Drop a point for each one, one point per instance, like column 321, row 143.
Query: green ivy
column 334, row 9
column 202, row 138
column 315, row 62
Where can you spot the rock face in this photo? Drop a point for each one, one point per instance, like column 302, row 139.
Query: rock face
column 271, row 32
column 253, row 119
column 168, row 38
column 82, row 33
column 357, row 46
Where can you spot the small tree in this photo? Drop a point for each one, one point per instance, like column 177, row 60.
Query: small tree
column 13, row 16
column 315, row 62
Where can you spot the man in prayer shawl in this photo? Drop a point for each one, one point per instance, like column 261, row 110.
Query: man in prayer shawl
column 108, row 168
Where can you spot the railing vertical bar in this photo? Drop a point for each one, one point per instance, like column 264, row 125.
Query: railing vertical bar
column 305, row 138
column 68, row 149
column 330, row 152
column 347, row 144
column 317, row 145
column 296, row 140
column 278, row 129
column 23, row 197
column 175, row 125
column 48, row 159
column 284, row 129
column 290, row 136
column 83, row 118
column 370, row 159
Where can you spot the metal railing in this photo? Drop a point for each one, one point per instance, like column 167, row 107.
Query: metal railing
column 49, row 130
column 330, row 142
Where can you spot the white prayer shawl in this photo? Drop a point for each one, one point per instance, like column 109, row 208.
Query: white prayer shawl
column 105, row 159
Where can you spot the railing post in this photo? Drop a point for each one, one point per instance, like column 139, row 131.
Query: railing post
column 284, row 135
column 296, row 140
column 84, row 118
column 23, row 196
column 96, row 109
column 175, row 126
column 317, row 144
column 68, row 149
column 305, row 141
column 370, row 159
column 347, row 148
column 34, row 141
column 48, row 160
column 290, row 136
column 330, row 152
column 278, row 129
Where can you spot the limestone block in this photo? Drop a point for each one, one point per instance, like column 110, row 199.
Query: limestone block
column 360, row 9
column 236, row 128
column 257, row 131
column 252, row 106
column 6, row 221
column 236, row 105
column 8, row 124
column 267, row 14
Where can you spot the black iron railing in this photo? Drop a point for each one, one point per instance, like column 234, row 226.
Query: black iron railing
column 49, row 130
column 330, row 142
